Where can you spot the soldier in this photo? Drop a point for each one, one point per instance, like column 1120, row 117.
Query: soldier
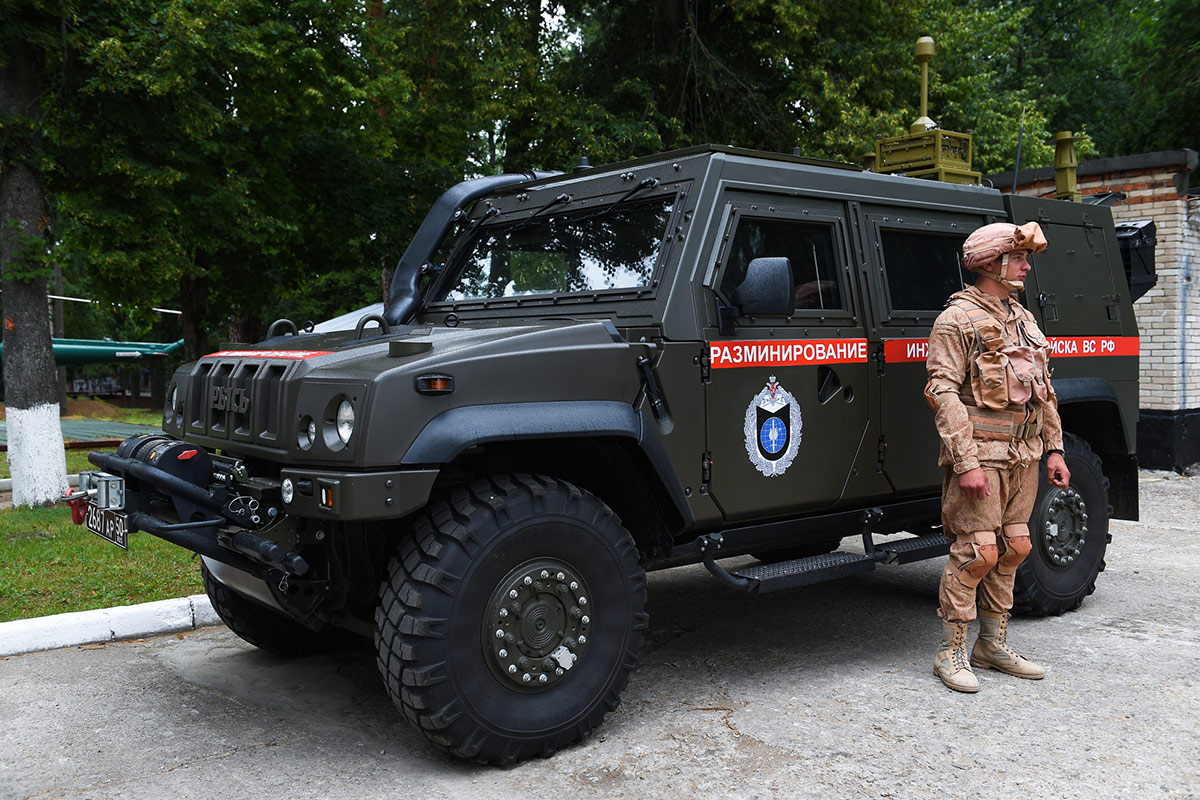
column 996, row 413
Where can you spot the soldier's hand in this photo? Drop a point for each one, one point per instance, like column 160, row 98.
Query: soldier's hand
column 1056, row 471
column 974, row 483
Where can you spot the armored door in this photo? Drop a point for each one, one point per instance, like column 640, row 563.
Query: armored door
column 788, row 405
column 914, row 259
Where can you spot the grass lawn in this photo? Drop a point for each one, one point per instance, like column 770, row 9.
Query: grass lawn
column 49, row 566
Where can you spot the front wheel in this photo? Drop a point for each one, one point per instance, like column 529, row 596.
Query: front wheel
column 1068, row 532
column 511, row 618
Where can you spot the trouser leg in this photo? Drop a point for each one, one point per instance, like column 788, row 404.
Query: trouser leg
column 1019, row 486
column 971, row 525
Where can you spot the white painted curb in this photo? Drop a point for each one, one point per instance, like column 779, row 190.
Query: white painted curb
column 106, row 625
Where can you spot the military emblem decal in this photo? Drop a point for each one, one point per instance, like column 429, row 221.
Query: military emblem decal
column 772, row 429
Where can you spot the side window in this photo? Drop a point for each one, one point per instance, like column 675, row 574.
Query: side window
column 808, row 245
column 922, row 268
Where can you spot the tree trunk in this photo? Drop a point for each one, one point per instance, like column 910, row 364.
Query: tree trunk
column 60, row 332
column 35, row 445
column 193, row 293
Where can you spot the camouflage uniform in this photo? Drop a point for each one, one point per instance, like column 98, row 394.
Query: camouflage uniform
column 987, row 418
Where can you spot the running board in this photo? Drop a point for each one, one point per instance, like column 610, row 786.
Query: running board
column 804, row 571
column 917, row 548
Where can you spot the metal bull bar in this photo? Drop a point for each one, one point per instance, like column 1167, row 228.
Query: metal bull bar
column 242, row 550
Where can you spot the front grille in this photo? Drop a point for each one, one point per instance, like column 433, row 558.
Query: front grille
column 240, row 400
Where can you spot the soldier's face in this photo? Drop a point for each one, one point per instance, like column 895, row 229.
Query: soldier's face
column 1018, row 265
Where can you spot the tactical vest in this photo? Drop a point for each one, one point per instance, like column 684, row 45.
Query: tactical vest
column 1006, row 383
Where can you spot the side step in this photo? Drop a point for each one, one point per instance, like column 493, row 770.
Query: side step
column 804, row 571
column 917, row 548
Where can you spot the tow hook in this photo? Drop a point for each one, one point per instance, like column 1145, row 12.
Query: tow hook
column 78, row 503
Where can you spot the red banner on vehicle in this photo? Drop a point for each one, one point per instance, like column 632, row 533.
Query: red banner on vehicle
column 293, row 354
column 900, row 351
column 796, row 353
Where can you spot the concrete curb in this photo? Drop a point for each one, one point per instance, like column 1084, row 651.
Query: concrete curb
column 106, row 625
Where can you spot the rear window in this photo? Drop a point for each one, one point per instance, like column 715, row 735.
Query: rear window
column 922, row 268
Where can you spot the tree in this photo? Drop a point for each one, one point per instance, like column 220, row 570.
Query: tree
column 36, row 454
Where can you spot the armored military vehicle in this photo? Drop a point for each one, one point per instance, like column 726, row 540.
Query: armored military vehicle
column 581, row 377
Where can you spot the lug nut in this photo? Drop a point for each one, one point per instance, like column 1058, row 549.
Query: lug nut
column 512, row 593
column 543, row 678
column 527, row 677
column 499, row 633
column 582, row 639
column 528, row 581
column 503, row 613
column 558, row 671
column 561, row 577
column 512, row 669
column 1070, row 559
column 586, row 619
column 503, row 653
column 574, row 585
column 582, row 601
column 576, row 612
column 545, row 574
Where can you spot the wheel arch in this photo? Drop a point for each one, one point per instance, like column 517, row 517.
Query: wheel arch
column 1090, row 409
column 605, row 447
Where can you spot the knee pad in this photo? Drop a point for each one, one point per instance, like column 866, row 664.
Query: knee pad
column 983, row 557
column 1016, row 547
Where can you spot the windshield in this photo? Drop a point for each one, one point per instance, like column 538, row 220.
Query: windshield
column 592, row 249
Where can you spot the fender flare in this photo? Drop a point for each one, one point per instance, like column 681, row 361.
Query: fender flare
column 1077, row 391
column 455, row 430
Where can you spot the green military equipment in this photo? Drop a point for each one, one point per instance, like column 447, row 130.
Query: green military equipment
column 926, row 151
column 581, row 377
column 78, row 352
column 1066, row 186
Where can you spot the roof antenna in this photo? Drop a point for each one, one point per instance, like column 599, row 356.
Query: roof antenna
column 1020, row 136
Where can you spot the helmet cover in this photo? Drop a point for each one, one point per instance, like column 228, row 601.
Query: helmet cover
column 986, row 249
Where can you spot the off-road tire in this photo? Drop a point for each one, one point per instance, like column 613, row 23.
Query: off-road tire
column 266, row 629
column 1042, row 587
column 433, row 630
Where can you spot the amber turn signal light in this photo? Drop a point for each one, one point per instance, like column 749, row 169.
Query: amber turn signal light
column 435, row 384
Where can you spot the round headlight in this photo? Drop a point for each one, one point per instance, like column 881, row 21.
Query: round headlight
column 287, row 490
column 345, row 421
column 308, row 433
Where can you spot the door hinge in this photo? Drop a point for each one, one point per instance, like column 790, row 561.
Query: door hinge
column 706, row 463
column 881, row 453
column 705, row 364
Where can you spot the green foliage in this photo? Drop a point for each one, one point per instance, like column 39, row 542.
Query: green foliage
column 278, row 155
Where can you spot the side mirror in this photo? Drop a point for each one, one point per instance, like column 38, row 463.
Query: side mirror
column 769, row 290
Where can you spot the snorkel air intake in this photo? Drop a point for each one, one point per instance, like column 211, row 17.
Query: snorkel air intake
column 404, row 295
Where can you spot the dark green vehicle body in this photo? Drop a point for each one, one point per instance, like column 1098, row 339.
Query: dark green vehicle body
column 650, row 388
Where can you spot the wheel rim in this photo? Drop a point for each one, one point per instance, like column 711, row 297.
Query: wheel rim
column 1064, row 527
column 537, row 624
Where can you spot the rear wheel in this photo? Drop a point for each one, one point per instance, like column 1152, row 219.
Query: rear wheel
column 511, row 618
column 1068, row 532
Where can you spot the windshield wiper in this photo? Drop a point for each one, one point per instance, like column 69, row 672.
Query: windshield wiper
column 561, row 200
column 645, row 183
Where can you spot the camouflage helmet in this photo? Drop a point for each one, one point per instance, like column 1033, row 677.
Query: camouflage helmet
column 986, row 249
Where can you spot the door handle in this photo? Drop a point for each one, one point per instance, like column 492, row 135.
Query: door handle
column 828, row 384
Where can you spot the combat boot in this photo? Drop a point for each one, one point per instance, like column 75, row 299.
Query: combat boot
column 950, row 663
column 991, row 650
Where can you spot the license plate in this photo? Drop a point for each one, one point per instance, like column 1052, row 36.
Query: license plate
column 108, row 525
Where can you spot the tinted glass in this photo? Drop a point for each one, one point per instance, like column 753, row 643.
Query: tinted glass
column 922, row 268
column 600, row 248
column 808, row 246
